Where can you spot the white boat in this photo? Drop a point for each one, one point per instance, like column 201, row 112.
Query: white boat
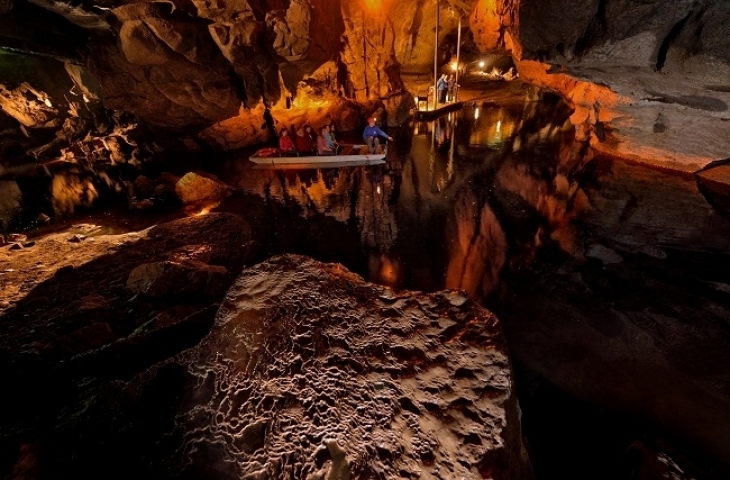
column 346, row 155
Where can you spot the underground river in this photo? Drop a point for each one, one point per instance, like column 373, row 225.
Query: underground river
column 609, row 278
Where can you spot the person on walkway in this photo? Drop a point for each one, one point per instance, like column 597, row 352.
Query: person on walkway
column 451, row 88
column 323, row 147
column 286, row 145
column 372, row 135
column 442, row 87
column 303, row 143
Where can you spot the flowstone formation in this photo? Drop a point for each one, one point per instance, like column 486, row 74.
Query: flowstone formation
column 311, row 373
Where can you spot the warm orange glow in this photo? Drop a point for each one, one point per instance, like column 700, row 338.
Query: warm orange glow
column 201, row 208
column 373, row 5
column 388, row 270
column 454, row 66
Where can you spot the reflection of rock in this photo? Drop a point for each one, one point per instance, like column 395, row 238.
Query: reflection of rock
column 309, row 371
column 644, row 318
column 480, row 250
column 639, row 206
column 378, row 227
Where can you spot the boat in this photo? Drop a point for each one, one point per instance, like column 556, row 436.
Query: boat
column 314, row 165
column 347, row 155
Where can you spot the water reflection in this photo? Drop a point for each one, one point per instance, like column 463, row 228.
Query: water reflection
column 454, row 197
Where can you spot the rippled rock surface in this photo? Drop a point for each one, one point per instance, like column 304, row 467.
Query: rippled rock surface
column 310, row 372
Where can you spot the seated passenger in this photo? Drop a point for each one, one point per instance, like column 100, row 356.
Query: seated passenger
column 332, row 136
column 323, row 146
column 303, row 143
column 286, row 146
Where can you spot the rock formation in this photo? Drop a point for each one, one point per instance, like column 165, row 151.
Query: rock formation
column 309, row 372
column 646, row 81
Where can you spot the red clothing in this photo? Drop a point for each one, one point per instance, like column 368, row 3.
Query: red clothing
column 285, row 144
column 303, row 143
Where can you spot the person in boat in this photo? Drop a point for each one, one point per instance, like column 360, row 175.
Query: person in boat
column 312, row 136
column 327, row 133
column 372, row 134
column 323, row 146
column 303, row 143
column 286, row 145
column 332, row 136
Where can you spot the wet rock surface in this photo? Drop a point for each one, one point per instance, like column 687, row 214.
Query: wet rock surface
column 67, row 312
column 309, row 372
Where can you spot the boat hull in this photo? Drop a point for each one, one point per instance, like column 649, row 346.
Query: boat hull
column 348, row 154
column 323, row 159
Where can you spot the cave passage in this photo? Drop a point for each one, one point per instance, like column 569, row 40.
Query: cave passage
column 585, row 277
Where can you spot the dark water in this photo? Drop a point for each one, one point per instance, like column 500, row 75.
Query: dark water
column 423, row 219
column 613, row 299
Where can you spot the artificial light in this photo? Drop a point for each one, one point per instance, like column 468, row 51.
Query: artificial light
column 454, row 66
column 481, row 64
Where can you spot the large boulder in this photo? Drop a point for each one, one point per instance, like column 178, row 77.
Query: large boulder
column 198, row 186
column 310, row 372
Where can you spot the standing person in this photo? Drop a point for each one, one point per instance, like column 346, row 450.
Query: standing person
column 302, row 142
column 372, row 135
column 442, row 88
column 450, row 88
column 286, row 145
column 323, row 147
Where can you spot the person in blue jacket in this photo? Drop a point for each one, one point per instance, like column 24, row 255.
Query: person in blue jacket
column 372, row 135
column 442, row 86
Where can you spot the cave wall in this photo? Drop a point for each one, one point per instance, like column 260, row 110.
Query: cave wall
column 647, row 80
column 190, row 66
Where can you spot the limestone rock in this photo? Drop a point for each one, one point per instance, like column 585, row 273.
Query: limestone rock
column 83, row 340
column 197, row 186
column 30, row 107
column 170, row 278
column 10, row 201
column 338, row 378
column 714, row 182
column 143, row 187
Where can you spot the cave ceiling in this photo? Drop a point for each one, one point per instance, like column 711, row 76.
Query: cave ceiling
column 196, row 65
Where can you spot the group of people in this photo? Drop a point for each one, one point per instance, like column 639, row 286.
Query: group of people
column 306, row 142
column 446, row 87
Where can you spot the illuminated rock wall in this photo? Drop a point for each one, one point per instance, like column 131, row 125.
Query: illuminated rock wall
column 647, row 81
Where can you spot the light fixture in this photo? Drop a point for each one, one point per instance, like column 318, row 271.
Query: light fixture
column 481, row 64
